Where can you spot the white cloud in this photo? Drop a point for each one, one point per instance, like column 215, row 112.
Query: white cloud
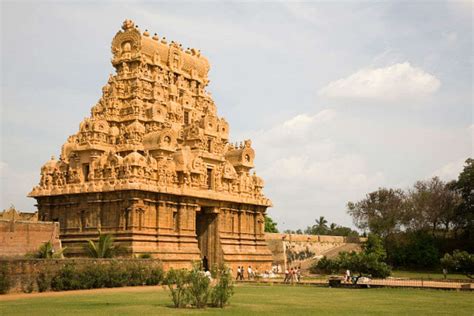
column 307, row 170
column 450, row 171
column 393, row 83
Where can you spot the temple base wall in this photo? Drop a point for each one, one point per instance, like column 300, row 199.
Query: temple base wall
column 174, row 229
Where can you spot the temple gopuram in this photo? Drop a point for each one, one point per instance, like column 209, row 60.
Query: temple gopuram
column 153, row 165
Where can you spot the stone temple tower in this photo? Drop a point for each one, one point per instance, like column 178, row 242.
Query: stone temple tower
column 153, row 165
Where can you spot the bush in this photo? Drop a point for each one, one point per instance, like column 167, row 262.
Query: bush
column 414, row 250
column 224, row 289
column 177, row 282
column 325, row 266
column 43, row 281
column 66, row 279
column 198, row 289
column 5, row 282
column 460, row 261
column 155, row 276
column 28, row 286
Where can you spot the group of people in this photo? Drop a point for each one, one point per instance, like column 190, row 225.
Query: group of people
column 251, row 274
column 292, row 275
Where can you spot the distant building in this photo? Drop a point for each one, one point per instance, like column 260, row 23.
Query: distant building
column 21, row 233
column 13, row 214
column 153, row 165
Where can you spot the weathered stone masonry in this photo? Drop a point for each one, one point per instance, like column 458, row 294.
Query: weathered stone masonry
column 153, row 165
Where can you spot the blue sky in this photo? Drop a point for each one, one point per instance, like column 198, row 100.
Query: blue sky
column 339, row 98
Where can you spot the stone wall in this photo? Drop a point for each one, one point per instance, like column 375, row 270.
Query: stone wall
column 17, row 238
column 301, row 250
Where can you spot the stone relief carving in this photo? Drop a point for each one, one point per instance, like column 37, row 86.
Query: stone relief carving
column 155, row 125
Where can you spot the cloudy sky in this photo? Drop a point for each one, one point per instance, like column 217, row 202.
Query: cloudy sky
column 339, row 98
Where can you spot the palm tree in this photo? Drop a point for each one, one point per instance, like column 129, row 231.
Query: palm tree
column 104, row 248
column 46, row 251
column 332, row 227
column 321, row 226
column 321, row 223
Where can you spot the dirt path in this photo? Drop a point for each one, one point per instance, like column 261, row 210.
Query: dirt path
column 17, row 296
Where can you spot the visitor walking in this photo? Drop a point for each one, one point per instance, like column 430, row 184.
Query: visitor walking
column 298, row 275
column 238, row 273
column 249, row 272
column 348, row 275
column 205, row 264
column 287, row 276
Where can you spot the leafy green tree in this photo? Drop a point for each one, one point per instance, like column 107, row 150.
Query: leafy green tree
column 431, row 205
column 459, row 261
column 103, row 248
column 381, row 211
column 374, row 245
column 413, row 250
column 364, row 264
column 465, row 212
column 270, row 225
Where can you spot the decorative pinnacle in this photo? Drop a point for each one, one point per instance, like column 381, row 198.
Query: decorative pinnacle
column 127, row 24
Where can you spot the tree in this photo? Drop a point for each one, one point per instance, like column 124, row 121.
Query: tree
column 364, row 264
column 374, row 245
column 431, row 205
column 369, row 262
column 104, row 248
column 460, row 261
column 270, row 225
column 464, row 215
column 380, row 212
column 321, row 225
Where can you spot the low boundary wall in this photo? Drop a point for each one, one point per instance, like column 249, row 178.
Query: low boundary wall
column 301, row 250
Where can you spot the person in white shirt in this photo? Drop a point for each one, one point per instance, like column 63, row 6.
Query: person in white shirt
column 249, row 271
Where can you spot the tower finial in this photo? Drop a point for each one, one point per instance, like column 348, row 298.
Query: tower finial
column 127, row 24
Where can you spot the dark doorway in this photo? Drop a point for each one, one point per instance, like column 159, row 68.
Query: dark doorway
column 207, row 235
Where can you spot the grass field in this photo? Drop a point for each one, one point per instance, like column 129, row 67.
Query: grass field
column 426, row 275
column 255, row 300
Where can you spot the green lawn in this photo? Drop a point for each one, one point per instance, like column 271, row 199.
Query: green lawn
column 426, row 275
column 256, row 300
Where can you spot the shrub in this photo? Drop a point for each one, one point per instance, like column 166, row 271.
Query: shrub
column 325, row 266
column 105, row 247
column 145, row 256
column 66, row 279
column 155, row 276
column 177, row 281
column 5, row 282
column 198, row 289
column 43, row 281
column 224, row 289
column 460, row 261
column 46, row 251
column 28, row 286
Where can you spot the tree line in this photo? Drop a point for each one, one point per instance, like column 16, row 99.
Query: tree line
column 419, row 225
column 320, row 227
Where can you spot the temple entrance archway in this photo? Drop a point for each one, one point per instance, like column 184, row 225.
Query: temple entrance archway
column 207, row 235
